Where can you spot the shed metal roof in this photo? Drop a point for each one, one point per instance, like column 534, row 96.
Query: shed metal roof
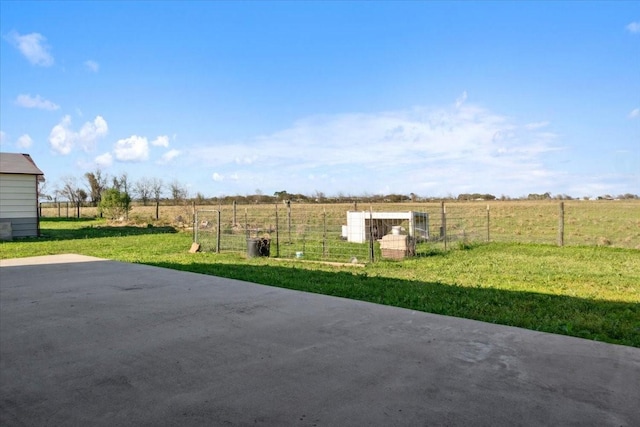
column 17, row 163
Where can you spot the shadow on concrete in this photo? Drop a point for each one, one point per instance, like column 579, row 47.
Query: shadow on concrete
column 104, row 343
column 607, row 321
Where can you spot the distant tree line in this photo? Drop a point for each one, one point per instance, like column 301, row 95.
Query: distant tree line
column 113, row 196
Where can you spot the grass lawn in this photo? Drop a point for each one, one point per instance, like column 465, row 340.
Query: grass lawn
column 584, row 291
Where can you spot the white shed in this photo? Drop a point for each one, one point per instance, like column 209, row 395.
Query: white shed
column 361, row 224
column 19, row 177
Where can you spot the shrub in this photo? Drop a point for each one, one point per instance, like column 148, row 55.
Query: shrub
column 115, row 204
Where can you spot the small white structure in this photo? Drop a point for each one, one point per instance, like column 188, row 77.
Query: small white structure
column 360, row 225
column 19, row 177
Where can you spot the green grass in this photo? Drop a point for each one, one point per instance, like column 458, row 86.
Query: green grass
column 584, row 291
column 612, row 223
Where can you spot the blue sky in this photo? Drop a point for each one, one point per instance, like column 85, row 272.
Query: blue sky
column 352, row 98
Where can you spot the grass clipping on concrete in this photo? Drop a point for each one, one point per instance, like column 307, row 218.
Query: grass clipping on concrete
column 589, row 292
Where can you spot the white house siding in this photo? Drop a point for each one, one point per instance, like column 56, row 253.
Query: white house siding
column 18, row 196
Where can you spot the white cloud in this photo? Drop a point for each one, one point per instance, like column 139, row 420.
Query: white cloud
column 60, row 137
column 33, row 46
column 3, row 137
column 91, row 131
column 63, row 139
column 161, row 141
column 132, row 149
column 104, row 160
column 168, row 156
column 92, row 66
column 635, row 113
column 217, row 177
column 463, row 147
column 28, row 101
column 24, row 141
column 633, row 27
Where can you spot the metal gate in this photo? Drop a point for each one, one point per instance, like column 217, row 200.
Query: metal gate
column 207, row 230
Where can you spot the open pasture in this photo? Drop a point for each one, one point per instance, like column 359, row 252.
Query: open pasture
column 614, row 223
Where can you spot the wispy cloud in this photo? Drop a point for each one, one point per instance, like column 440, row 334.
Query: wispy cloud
column 536, row 125
column 104, row 160
column 92, row 66
column 634, row 114
column 461, row 99
column 28, row 101
column 161, row 141
column 169, row 156
column 63, row 138
column 400, row 151
column 633, row 27
column 24, row 141
column 33, row 47
column 3, row 137
column 220, row 178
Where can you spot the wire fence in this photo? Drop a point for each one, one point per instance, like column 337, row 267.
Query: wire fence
column 357, row 232
column 347, row 233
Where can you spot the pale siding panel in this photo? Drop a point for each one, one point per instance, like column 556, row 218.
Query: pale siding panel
column 18, row 196
column 12, row 193
column 23, row 227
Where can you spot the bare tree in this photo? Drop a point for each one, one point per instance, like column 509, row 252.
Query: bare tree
column 43, row 190
column 143, row 188
column 97, row 183
column 156, row 189
column 178, row 192
column 121, row 183
column 73, row 192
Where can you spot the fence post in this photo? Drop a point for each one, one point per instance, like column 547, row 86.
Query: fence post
column 219, row 229
column 444, row 224
column 277, row 233
column 371, row 252
column 235, row 206
column 289, row 219
column 195, row 228
column 561, row 225
column 442, row 221
column 488, row 225
column 40, row 209
column 193, row 217
column 324, row 233
column 246, row 224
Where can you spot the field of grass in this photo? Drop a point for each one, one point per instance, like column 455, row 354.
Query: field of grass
column 614, row 223
column 584, row 291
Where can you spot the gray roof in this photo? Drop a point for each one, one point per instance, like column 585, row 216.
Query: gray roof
column 17, row 163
